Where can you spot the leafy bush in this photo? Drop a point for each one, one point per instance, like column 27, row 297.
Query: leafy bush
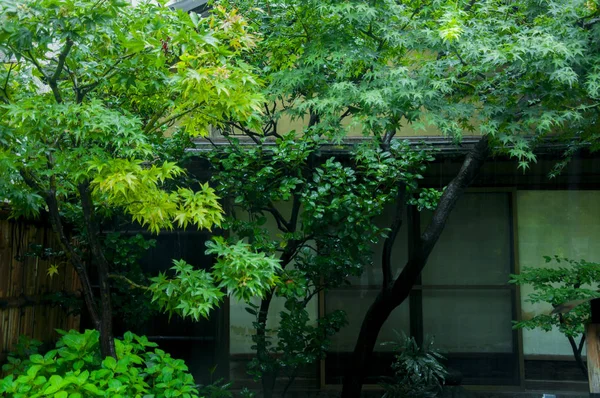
column 418, row 371
column 569, row 285
column 217, row 389
column 75, row 369
column 18, row 360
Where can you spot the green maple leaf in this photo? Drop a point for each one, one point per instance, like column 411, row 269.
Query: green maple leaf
column 52, row 270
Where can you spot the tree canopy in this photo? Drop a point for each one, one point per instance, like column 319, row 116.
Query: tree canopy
column 515, row 75
column 98, row 101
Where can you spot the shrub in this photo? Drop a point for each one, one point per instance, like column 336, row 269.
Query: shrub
column 418, row 371
column 75, row 369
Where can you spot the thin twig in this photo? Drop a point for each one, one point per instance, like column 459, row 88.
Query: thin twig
column 172, row 119
column 132, row 284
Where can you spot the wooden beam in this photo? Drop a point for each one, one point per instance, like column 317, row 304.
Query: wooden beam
column 28, row 301
column 592, row 332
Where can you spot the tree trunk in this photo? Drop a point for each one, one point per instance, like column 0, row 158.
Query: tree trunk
column 578, row 357
column 374, row 319
column 389, row 299
column 57, row 226
column 268, row 376
column 75, row 259
column 107, row 342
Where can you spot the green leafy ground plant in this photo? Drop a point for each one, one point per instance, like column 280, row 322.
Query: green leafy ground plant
column 75, row 369
column 419, row 372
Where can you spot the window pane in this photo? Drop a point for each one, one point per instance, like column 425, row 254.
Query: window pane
column 566, row 223
column 474, row 247
column 372, row 273
column 472, row 321
column 356, row 302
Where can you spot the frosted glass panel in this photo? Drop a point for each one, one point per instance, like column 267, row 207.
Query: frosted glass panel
column 469, row 321
column 474, row 247
column 356, row 303
column 566, row 223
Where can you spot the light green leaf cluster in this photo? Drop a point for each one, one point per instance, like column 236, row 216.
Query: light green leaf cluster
column 138, row 190
column 74, row 369
column 96, row 92
column 240, row 270
column 191, row 292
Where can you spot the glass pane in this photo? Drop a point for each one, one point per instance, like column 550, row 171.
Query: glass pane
column 472, row 321
column 356, row 303
column 565, row 223
column 372, row 274
column 475, row 245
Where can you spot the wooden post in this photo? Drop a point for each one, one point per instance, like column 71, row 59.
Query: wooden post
column 592, row 334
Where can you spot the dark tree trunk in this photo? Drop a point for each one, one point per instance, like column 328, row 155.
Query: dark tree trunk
column 268, row 377
column 74, row 258
column 107, row 342
column 578, row 357
column 391, row 297
column 58, row 228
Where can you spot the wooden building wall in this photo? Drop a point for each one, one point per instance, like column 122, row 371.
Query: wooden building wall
column 26, row 287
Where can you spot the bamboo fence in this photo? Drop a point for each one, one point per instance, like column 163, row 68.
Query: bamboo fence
column 25, row 286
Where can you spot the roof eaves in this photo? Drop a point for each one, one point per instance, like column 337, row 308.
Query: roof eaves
column 441, row 145
column 189, row 5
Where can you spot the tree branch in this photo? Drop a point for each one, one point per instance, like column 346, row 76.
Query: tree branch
column 107, row 342
column 314, row 119
column 154, row 119
column 386, row 256
column 5, row 86
column 171, row 119
column 132, row 284
column 387, row 139
column 57, row 226
column 61, row 60
column 346, row 113
column 53, row 85
column 581, row 343
column 281, row 222
column 467, row 174
column 295, row 213
column 85, row 89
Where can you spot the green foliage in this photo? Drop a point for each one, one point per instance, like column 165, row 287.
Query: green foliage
column 92, row 108
column 338, row 199
column 300, row 340
column 427, row 199
column 569, row 280
column 98, row 102
column 75, row 369
column 218, row 389
column 326, row 237
column 18, row 359
column 241, row 271
column 418, row 371
column 522, row 72
column 124, row 252
column 190, row 292
column 194, row 293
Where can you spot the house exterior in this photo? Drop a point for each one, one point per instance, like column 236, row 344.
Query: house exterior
column 507, row 220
